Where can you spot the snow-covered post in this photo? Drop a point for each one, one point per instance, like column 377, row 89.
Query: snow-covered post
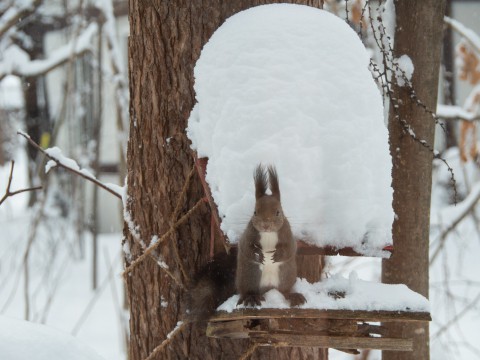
column 418, row 34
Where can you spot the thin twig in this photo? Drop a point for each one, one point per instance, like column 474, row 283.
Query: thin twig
column 76, row 172
column 453, row 225
column 165, row 236
column 174, row 217
column 445, row 327
column 95, row 297
column 9, row 193
column 167, row 341
column 116, row 301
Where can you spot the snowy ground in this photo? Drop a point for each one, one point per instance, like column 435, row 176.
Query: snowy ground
column 60, row 286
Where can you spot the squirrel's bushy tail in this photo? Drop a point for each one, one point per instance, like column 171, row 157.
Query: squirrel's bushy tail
column 213, row 284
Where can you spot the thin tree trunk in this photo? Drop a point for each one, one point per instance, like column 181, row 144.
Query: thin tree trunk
column 165, row 41
column 419, row 35
column 449, row 78
column 97, row 132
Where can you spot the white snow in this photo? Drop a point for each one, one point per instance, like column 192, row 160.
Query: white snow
column 171, row 333
column 272, row 88
column 405, row 69
column 23, row 340
column 359, row 295
column 11, row 95
column 49, row 165
column 56, row 153
column 17, row 62
column 60, row 287
column 161, row 262
column 389, row 19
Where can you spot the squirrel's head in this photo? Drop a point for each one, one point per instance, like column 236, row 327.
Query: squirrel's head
column 268, row 214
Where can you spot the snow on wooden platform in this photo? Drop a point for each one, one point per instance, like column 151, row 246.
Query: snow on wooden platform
column 339, row 293
column 340, row 313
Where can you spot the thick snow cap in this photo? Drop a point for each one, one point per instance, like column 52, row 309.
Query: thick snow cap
column 289, row 85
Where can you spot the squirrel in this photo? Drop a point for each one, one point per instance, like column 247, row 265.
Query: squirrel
column 267, row 249
column 264, row 260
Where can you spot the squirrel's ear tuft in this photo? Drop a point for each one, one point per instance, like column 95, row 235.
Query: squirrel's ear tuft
column 260, row 177
column 273, row 177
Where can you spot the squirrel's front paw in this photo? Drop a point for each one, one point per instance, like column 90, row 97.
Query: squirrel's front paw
column 251, row 300
column 279, row 255
column 258, row 254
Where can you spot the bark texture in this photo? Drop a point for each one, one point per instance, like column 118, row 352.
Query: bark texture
column 419, row 35
column 165, row 41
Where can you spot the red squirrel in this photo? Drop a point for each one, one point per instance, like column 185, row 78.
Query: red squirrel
column 265, row 258
column 266, row 250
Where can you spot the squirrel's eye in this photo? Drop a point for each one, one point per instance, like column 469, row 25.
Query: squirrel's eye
column 254, row 213
column 278, row 213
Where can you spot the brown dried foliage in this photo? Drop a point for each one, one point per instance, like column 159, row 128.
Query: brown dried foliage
column 469, row 71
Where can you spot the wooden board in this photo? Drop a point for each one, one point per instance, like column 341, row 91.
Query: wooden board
column 335, row 342
column 361, row 315
column 343, row 330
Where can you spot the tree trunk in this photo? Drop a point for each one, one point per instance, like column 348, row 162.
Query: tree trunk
column 165, row 41
column 419, row 35
column 37, row 119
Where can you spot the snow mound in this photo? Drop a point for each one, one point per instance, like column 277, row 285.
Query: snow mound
column 351, row 293
column 289, row 85
column 23, row 340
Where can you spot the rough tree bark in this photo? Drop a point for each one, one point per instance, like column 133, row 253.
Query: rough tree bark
column 165, row 41
column 419, row 35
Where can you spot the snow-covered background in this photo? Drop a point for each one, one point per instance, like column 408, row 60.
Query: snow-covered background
column 60, row 291
column 59, row 287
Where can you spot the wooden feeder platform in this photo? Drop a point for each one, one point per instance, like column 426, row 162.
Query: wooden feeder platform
column 345, row 330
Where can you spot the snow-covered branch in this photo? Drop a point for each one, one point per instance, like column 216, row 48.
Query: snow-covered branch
column 58, row 159
column 469, row 35
column 17, row 62
column 453, row 112
column 16, row 12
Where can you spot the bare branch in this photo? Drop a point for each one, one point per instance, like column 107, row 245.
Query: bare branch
column 468, row 205
column 9, row 193
column 76, row 172
column 472, row 304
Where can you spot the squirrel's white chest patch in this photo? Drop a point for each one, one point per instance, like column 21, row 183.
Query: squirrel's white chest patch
column 270, row 270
